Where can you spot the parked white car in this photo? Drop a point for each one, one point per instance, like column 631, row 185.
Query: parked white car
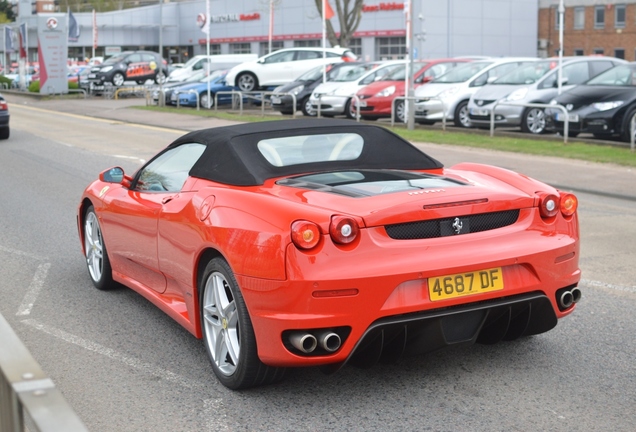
column 283, row 66
column 335, row 97
column 533, row 83
column 448, row 95
column 211, row 63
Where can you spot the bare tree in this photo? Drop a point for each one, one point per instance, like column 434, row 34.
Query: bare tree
column 349, row 14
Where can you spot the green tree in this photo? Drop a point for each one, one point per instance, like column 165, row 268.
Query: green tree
column 349, row 14
column 6, row 12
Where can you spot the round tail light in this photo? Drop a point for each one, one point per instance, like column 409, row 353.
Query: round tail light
column 305, row 234
column 569, row 204
column 343, row 229
column 549, row 205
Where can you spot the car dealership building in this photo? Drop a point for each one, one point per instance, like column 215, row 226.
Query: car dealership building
column 441, row 28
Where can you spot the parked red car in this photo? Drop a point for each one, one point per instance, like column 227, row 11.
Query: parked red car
column 377, row 98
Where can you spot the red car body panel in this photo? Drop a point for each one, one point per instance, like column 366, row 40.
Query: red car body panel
column 158, row 243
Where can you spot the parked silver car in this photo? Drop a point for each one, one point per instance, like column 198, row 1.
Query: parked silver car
column 534, row 83
column 448, row 95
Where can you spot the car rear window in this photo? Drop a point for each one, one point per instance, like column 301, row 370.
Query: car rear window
column 304, row 149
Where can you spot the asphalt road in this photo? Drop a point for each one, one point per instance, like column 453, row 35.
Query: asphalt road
column 125, row 366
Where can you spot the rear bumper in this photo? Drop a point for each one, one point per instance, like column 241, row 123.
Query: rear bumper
column 391, row 295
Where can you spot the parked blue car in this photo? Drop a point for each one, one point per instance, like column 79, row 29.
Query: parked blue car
column 187, row 93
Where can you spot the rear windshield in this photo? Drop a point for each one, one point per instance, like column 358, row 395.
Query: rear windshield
column 303, row 149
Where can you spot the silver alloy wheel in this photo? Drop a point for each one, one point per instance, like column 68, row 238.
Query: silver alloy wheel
column 204, row 103
column 221, row 322
column 309, row 109
column 94, row 247
column 464, row 119
column 535, row 120
column 118, row 79
column 247, row 82
column 399, row 111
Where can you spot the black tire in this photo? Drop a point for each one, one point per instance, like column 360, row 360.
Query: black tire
column 203, row 100
column 306, row 108
column 533, row 121
column 367, row 118
column 4, row 133
column 286, row 112
column 350, row 110
column 118, row 79
column 141, row 82
column 425, row 122
column 399, row 111
column 570, row 134
column 247, row 81
column 461, row 119
column 97, row 261
column 228, row 330
column 625, row 132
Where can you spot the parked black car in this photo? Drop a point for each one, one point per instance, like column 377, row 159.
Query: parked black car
column 138, row 66
column 603, row 106
column 301, row 87
column 4, row 119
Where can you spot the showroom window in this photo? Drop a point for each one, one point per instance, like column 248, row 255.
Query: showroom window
column 355, row 45
column 390, row 48
column 579, row 18
column 619, row 16
column 308, row 43
column 619, row 53
column 264, row 47
column 579, row 52
column 599, row 17
column 240, row 48
column 215, row 49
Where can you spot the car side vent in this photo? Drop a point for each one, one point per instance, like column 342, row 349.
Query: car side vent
column 452, row 226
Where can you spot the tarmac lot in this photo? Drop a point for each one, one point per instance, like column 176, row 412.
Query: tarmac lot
column 600, row 179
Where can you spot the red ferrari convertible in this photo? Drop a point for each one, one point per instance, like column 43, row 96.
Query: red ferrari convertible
column 325, row 242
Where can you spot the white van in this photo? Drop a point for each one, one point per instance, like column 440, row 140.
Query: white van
column 200, row 62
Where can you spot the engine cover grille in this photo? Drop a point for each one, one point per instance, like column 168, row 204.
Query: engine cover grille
column 452, row 226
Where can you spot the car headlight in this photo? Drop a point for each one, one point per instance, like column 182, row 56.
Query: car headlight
column 604, row 106
column 448, row 92
column 106, row 69
column 517, row 94
column 386, row 92
column 554, row 102
column 296, row 90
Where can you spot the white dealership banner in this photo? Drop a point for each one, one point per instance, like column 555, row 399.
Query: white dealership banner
column 53, row 53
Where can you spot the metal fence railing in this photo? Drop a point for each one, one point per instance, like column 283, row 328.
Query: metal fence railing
column 26, row 393
column 566, row 131
column 405, row 98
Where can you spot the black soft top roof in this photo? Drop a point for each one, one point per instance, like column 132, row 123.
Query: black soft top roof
column 232, row 156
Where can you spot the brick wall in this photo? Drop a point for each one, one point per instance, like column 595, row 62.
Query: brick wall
column 588, row 39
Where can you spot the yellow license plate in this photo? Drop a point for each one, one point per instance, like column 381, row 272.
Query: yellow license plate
column 463, row 284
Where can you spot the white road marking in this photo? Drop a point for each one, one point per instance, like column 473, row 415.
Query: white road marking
column 114, row 355
column 34, row 289
column 599, row 284
column 21, row 253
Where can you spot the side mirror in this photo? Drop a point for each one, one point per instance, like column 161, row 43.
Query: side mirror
column 115, row 175
column 491, row 79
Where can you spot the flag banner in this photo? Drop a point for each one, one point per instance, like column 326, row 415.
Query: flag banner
column 94, row 29
column 9, row 45
column 202, row 22
column 23, row 40
column 328, row 12
column 73, row 28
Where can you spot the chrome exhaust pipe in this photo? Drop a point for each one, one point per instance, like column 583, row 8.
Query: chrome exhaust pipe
column 566, row 299
column 576, row 295
column 304, row 342
column 329, row 341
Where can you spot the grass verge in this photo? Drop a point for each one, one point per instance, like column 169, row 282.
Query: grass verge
column 546, row 146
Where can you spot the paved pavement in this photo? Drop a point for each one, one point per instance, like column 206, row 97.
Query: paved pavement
column 566, row 174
